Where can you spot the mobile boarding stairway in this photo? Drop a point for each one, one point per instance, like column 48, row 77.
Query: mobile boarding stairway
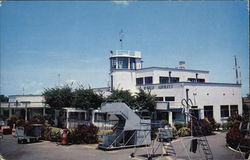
column 130, row 131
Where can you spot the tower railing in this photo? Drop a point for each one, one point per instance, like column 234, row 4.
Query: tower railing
column 125, row 52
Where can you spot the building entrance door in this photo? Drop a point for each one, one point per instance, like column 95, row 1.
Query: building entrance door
column 195, row 113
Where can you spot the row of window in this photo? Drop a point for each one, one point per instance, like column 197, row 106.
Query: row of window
column 164, row 80
column 160, row 99
column 122, row 63
column 225, row 111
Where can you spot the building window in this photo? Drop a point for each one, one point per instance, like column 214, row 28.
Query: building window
column 159, row 99
column 122, row 63
column 208, row 111
column 233, row 109
column 174, row 79
column 198, row 80
column 201, row 80
column 100, row 117
column 169, row 98
column 148, row 80
column 113, row 63
column 132, row 63
column 224, row 111
column 163, row 80
column 139, row 81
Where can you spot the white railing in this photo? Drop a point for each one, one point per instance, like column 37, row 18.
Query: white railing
column 126, row 52
column 22, row 105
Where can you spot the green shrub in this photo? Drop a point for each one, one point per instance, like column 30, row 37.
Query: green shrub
column 235, row 117
column 37, row 119
column 174, row 131
column 164, row 122
column 51, row 134
column 212, row 123
column 217, row 126
column 184, row 131
column 84, row 134
column 225, row 126
column 203, row 125
column 179, row 125
column 234, row 137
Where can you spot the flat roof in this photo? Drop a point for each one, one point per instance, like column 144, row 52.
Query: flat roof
column 173, row 69
column 27, row 95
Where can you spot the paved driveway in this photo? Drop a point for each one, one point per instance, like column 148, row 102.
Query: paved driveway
column 10, row 150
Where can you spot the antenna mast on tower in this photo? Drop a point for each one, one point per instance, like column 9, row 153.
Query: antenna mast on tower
column 236, row 70
column 121, row 34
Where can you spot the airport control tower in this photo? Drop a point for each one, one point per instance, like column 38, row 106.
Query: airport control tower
column 123, row 64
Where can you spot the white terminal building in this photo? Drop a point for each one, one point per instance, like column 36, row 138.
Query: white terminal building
column 217, row 100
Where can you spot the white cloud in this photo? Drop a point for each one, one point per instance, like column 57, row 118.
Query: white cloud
column 124, row 3
column 71, row 81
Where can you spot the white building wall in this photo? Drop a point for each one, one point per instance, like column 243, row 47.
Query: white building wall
column 182, row 74
column 201, row 94
column 216, row 95
column 124, row 79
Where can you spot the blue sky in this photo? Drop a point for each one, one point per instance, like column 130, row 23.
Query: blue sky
column 39, row 40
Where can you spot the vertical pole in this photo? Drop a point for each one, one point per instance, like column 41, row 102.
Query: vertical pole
column 170, row 118
column 169, row 77
column 10, row 112
column 26, row 112
column 67, row 119
column 44, row 113
column 236, row 70
column 187, row 104
column 1, row 109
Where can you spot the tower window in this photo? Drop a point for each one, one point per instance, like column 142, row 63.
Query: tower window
column 122, row 63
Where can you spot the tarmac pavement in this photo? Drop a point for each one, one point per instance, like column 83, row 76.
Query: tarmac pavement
column 45, row 150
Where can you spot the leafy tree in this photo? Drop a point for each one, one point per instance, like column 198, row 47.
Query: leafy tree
column 141, row 101
column 3, row 98
column 122, row 96
column 145, row 101
column 59, row 97
column 87, row 98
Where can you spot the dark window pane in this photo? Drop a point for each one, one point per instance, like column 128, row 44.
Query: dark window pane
column 201, row 80
column 164, row 80
column 148, row 80
column 122, row 63
column 169, row 99
column 132, row 63
column 224, row 111
column 160, row 99
column 208, row 111
column 174, row 79
column 233, row 109
column 198, row 80
column 139, row 81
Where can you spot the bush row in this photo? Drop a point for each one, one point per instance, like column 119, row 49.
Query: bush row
column 83, row 134
column 235, row 136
